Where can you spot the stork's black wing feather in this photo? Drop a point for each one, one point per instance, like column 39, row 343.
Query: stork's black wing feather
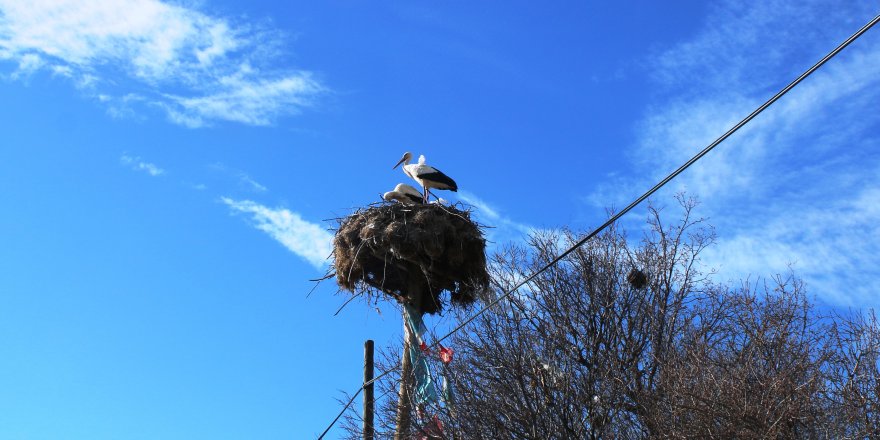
column 439, row 177
column 414, row 198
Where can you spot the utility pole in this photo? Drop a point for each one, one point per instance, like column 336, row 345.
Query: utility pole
column 406, row 376
column 369, row 403
column 417, row 290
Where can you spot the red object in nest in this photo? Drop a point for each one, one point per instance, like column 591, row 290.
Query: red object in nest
column 445, row 355
column 423, row 347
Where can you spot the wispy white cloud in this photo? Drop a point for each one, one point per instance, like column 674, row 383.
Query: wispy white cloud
column 138, row 164
column 119, row 107
column 244, row 179
column 27, row 64
column 308, row 240
column 483, row 208
column 251, row 183
column 241, row 98
column 502, row 229
column 197, row 67
column 797, row 185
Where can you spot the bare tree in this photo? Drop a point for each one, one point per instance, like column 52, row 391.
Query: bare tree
column 579, row 352
column 624, row 340
column 854, row 388
column 750, row 364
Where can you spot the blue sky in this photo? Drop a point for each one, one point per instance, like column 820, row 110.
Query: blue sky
column 167, row 170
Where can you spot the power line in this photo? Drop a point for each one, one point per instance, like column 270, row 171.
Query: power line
column 672, row 175
column 632, row 205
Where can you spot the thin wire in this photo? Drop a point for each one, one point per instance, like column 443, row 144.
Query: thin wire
column 369, row 382
column 632, row 205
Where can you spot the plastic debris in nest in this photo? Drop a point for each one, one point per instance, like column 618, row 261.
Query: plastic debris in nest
column 419, row 250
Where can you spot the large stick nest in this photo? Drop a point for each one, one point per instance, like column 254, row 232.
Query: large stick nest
column 412, row 254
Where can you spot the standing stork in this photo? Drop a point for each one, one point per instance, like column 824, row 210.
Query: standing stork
column 427, row 176
column 405, row 194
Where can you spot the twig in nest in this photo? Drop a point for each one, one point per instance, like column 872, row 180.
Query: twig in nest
column 355, row 257
column 318, row 282
column 453, row 213
column 346, row 303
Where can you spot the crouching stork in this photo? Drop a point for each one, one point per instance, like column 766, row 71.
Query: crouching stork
column 405, row 194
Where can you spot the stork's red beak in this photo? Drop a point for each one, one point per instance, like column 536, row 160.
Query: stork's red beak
column 398, row 163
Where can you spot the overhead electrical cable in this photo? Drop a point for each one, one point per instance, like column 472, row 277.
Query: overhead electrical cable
column 634, row 203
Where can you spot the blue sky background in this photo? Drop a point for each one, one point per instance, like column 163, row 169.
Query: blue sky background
column 166, row 170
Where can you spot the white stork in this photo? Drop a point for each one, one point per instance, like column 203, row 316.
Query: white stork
column 405, row 194
column 427, row 176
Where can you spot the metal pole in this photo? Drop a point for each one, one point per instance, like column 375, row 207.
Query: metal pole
column 369, row 403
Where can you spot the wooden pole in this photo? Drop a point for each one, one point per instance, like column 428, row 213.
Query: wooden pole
column 369, row 403
column 406, row 375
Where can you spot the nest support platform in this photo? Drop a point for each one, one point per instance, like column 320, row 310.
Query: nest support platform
column 412, row 254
